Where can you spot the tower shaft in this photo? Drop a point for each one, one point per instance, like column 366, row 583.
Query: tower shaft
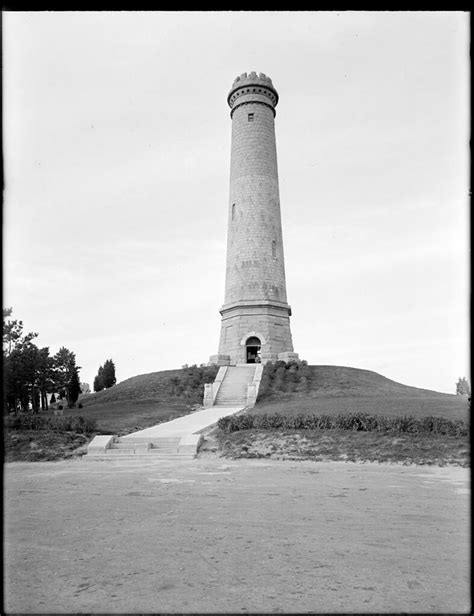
column 255, row 315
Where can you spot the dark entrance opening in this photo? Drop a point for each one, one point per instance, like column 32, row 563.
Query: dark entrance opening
column 253, row 347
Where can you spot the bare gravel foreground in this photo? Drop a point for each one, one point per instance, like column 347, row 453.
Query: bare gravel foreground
column 211, row 535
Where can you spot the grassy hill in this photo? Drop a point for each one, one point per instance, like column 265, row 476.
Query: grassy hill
column 147, row 399
column 340, row 389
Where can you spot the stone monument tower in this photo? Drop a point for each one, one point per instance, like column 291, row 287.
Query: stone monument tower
column 255, row 315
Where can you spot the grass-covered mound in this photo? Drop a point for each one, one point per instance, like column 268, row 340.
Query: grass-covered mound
column 288, row 389
column 298, row 388
column 339, row 413
column 147, row 399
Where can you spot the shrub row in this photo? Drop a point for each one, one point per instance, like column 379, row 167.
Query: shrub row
column 31, row 421
column 351, row 421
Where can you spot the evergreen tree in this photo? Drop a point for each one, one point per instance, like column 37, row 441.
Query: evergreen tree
column 64, row 364
column 13, row 336
column 73, row 389
column 109, row 374
column 29, row 372
column 99, row 380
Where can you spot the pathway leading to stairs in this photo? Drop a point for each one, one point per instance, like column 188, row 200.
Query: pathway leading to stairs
column 189, row 424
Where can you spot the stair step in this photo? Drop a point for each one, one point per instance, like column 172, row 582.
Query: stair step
column 139, row 456
column 232, row 395
column 147, row 439
column 234, row 388
column 164, row 454
column 230, row 387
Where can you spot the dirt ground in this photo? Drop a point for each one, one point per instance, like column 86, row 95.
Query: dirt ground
column 214, row 535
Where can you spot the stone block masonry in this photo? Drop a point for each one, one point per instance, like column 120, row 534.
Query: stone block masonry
column 255, row 316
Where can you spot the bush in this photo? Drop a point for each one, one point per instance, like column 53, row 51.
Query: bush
column 280, row 376
column 79, row 406
column 190, row 383
column 29, row 421
column 351, row 421
column 60, row 407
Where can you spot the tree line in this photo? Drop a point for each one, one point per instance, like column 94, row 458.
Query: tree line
column 30, row 373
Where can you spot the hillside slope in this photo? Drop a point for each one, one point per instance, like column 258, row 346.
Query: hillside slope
column 340, row 389
column 146, row 399
column 152, row 386
column 345, row 381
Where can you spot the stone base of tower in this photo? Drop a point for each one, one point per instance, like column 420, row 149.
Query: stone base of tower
column 219, row 360
column 255, row 332
column 288, row 357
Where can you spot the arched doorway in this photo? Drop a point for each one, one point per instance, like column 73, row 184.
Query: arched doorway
column 252, row 350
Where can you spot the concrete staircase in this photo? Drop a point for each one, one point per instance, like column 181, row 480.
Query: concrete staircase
column 236, row 387
column 233, row 390
column 163, row 447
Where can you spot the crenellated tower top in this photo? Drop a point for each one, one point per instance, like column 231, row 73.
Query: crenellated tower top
column 252, row 88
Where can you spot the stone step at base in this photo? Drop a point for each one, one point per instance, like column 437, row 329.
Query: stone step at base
column 156, row 453
column 147, row 439
column 231, row 392
column 139, row 456
column 128, row 445
column 223, row 396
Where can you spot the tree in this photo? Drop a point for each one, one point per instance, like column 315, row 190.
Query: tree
column 73, row 389
column 462, row 387
column 109, row 374
column 13, row 333
column 99, row 380
column 64, row 367
column 29, row 372
column 17, row 380
column 45, row 376
column 105, row 377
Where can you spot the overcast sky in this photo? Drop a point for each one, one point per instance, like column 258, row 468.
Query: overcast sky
column 117, row 157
